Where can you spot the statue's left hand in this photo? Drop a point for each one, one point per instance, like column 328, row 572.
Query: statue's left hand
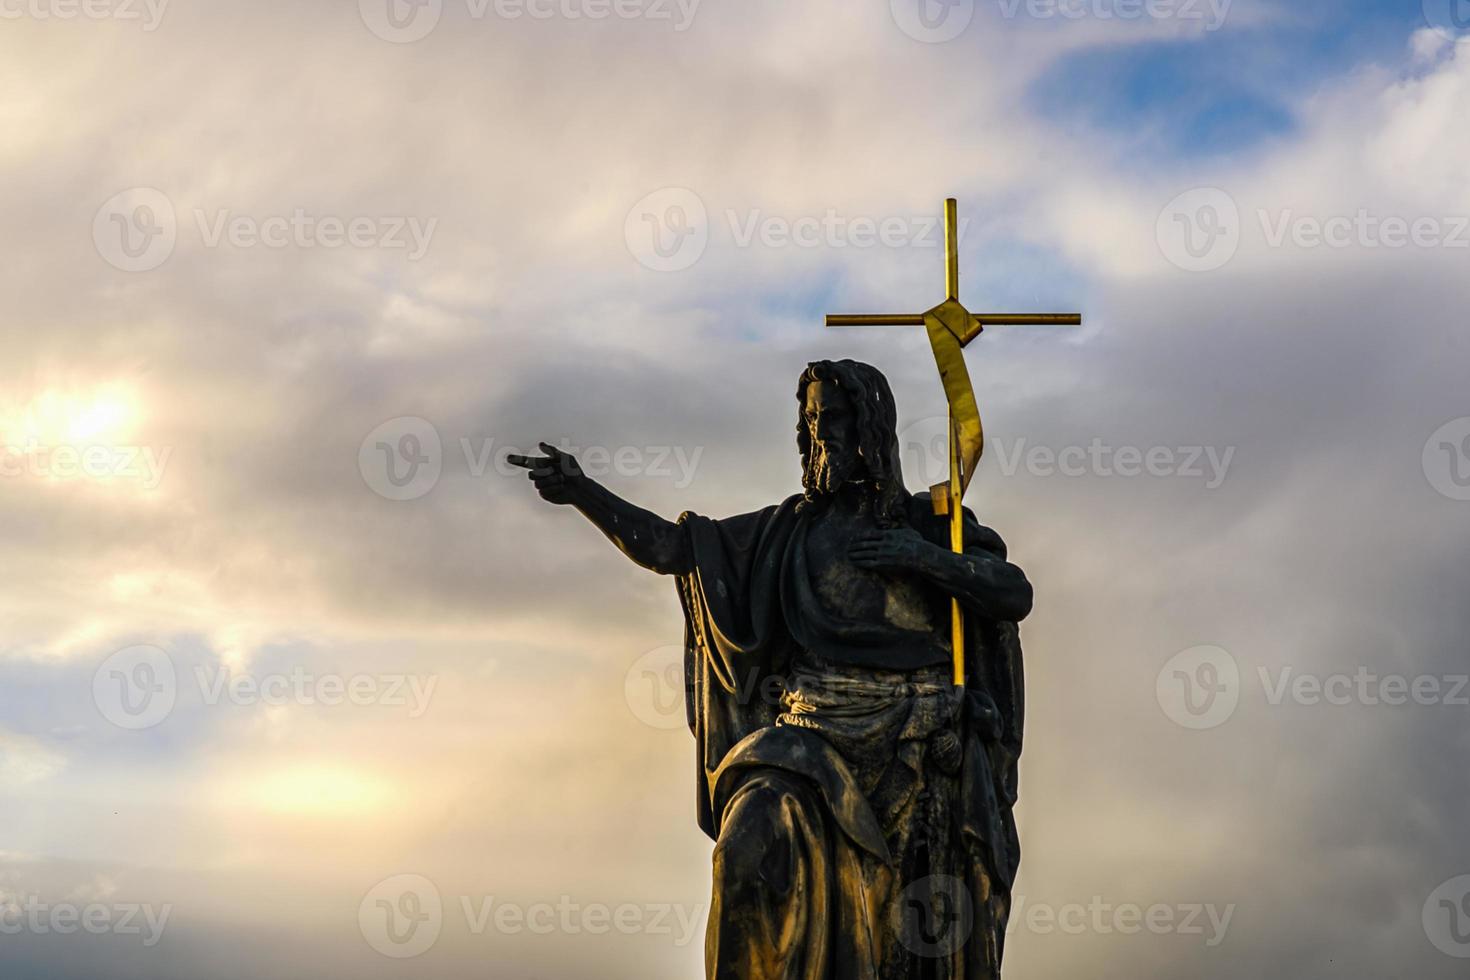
column 895, row 549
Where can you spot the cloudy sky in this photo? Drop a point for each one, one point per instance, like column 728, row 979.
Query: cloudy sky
column 297, row 680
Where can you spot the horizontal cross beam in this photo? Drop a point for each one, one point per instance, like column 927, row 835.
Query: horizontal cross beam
column 987, row 319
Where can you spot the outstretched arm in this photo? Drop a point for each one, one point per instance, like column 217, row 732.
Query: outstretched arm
column 983, row 581
column 642, row 535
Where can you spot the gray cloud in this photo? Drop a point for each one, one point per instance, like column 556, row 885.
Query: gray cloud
column 1324, row 548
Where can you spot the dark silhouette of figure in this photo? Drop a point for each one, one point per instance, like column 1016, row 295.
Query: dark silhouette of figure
column 861, row 804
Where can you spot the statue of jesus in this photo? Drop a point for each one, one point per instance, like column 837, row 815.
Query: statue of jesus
column 860, row 802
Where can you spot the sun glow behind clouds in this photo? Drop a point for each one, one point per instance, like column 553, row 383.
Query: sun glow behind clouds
column 320, row 789
column 102, row 414
column 81, row 435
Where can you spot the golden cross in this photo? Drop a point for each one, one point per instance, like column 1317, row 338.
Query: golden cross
column 950, row 327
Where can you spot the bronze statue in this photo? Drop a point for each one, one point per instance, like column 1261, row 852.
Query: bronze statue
column 860, row 800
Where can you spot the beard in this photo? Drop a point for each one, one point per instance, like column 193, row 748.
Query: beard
column 830, row 467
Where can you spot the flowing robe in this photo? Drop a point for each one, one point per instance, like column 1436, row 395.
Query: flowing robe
column 846, row 846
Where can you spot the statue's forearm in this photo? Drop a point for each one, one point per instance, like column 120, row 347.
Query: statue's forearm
column 984, row 583
column 642, row 535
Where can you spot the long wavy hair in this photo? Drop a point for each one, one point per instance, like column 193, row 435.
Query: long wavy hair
column 877, row 429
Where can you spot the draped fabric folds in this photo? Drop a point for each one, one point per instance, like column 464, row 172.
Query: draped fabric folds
column 863, row 821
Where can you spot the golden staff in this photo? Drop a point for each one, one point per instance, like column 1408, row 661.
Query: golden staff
column 950, row 327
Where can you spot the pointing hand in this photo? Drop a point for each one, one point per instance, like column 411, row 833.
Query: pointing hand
column 557, row 475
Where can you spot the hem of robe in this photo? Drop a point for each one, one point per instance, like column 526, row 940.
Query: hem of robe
column 808, row 755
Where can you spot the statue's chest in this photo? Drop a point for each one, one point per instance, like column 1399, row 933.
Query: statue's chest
column 854, row 593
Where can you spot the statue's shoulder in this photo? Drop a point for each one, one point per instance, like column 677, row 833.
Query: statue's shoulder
column 935, row 527
column 760, row 516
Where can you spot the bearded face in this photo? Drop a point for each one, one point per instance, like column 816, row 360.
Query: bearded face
column 831, row 421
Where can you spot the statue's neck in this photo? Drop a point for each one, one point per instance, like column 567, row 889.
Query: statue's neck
column 853, row 499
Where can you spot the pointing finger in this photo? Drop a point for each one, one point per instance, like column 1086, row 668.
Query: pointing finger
column 527, row 462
